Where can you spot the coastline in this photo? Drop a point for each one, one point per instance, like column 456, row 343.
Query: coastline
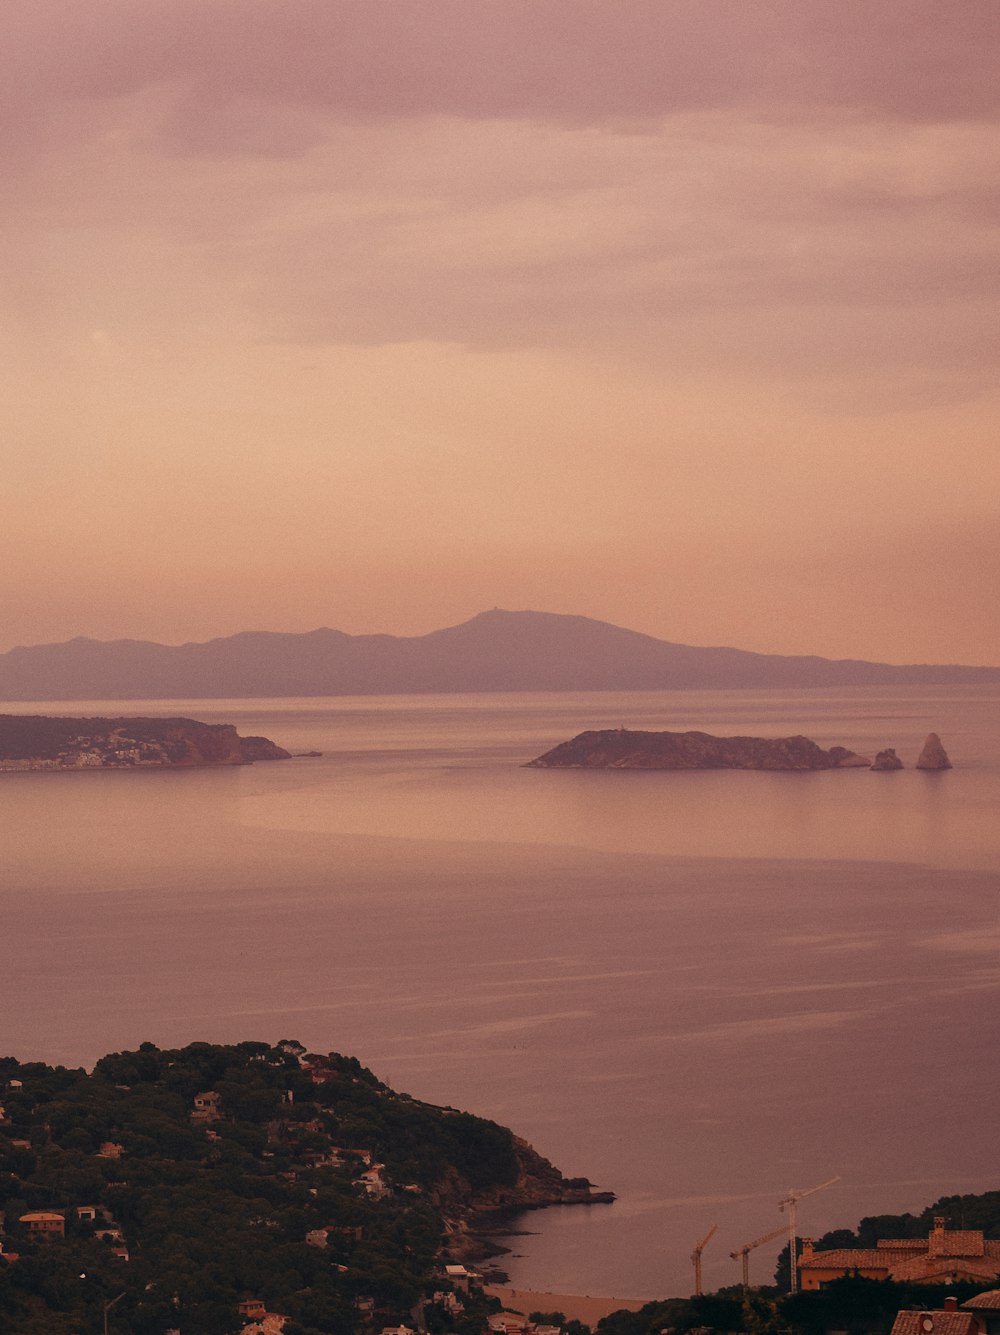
column 576, row 1307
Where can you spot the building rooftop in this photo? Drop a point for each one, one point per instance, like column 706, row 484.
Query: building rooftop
column 935, row 1323
column 985, row 1302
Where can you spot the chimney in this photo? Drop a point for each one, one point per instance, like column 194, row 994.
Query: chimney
column 951, row 1303
column 807, row 1250
column 935, row 1243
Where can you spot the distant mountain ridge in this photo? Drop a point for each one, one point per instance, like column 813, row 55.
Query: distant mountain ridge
column 495, row 651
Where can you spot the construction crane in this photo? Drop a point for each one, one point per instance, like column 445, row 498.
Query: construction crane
column 744, row 1253
column 699, row 1247
column 789, row 1203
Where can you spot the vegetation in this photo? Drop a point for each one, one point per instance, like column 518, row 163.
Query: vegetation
column 307, row 1183
column 853, row 1304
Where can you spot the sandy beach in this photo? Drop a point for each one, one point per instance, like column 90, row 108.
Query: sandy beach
column 579, row 1307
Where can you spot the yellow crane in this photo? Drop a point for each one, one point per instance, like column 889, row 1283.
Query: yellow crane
column 744, row 1253
column 699, row 1247
column 790, row 1202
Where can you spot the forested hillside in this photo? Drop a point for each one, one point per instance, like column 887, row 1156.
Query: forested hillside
column 190, row 1180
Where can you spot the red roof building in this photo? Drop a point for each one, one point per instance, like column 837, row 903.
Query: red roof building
column 943, row 1257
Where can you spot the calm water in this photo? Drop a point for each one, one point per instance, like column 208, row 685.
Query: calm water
column 697, row 989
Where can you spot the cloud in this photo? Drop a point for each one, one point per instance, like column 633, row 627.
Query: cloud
column 572, row 61
column 702, row 242
column 574, row 291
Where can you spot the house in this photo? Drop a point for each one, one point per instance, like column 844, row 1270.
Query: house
column 268, row 1324
column 461, row 1277
column 945, row 1321
column 374, row 1183
column 507, row 1323
column 945, row 1256
column 87, row 1214
column 987, row 1307
column 252, row 1308
column 207, row 1107
column 341, row 1155
column 44, row 1224
column 110, row 1149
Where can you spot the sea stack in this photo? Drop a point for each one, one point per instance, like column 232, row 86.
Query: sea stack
column 933, row 756
column 887, row 760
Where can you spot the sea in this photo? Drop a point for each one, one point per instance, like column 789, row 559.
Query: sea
column 701, row 990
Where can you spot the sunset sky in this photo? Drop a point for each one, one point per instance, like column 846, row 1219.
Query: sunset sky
column 681, row 314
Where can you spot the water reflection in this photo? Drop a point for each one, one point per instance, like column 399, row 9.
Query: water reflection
column 701, row 986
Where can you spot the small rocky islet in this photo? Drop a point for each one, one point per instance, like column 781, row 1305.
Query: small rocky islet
column 622, row 748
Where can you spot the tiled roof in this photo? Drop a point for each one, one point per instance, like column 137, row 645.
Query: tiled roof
column 942, row 1323
column 850, row 1258
column 923, row 1268
column 988, row 1301
column 917, row 1258
column 957, row 1242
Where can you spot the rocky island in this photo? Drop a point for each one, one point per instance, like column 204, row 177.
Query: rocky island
column 35, row 742
column 619, row 748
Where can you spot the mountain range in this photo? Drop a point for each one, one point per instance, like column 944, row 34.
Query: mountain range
column 495, row 651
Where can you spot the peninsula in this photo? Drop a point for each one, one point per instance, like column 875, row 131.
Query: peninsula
column 35, row 742
column 618, row 748
column 212, row 1183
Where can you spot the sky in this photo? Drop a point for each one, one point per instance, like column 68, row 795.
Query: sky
column 374, row 314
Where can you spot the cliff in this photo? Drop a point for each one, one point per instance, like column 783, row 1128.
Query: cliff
column 36, row 742
column 619, row 748
column 475, row 1220
column 261, row 748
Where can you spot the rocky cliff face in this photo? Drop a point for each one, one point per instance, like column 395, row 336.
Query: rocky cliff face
column 933, row 756
column 620, row 749
column 475, row 1221
column 262, row 748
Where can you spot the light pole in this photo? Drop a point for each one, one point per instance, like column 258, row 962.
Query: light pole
column 108, row 1306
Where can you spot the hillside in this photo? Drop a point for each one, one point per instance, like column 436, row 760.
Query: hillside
column 195, row 1178
column 495, row 651
column 36, row 742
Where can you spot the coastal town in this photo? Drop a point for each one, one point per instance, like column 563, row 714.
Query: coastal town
column 32, row 743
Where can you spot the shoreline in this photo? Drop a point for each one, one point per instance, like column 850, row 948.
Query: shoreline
column 576, row 1307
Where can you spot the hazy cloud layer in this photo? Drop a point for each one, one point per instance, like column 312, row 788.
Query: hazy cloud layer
column 549, row 302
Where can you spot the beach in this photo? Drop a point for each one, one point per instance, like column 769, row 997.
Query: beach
column 576, row 1307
